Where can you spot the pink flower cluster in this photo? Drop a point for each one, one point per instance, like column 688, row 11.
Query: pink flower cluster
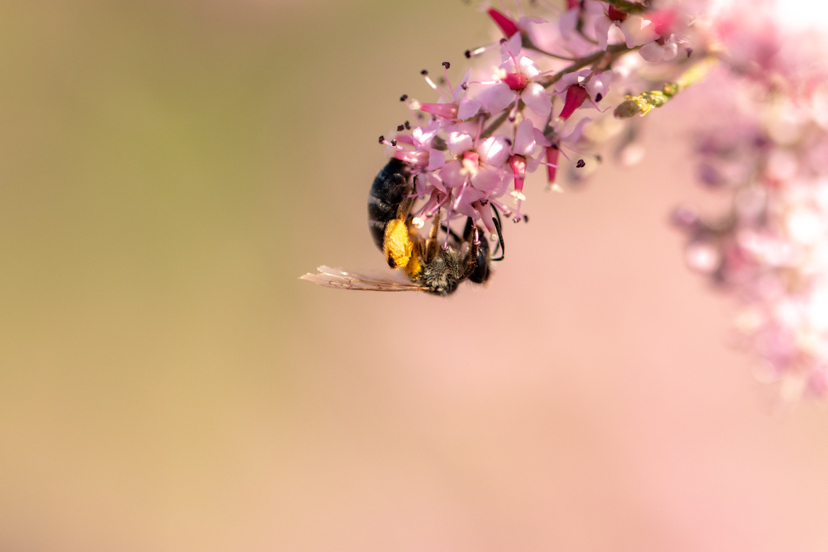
column 768, row 154
column 525, row 102
column 470, row 150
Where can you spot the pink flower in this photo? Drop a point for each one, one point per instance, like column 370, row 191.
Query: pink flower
column 665, row 47
column 521, row 160
column 477, row 165
column 555, row 142
column 581, row 86
column 515, row 81
column 637, row 30
column 662, row 49
column 455, row 107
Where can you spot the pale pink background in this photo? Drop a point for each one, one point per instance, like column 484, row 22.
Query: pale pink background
column 167, row 383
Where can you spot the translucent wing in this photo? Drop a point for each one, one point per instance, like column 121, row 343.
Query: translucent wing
column 333, row 278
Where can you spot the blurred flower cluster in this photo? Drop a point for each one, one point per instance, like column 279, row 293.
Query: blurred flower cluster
column 558, row 81
column 766, row 152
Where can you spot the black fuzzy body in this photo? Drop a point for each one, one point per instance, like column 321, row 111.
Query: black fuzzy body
column 391, row 186
column 444, row 273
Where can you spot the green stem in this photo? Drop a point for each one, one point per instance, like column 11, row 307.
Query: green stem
column 614, row 51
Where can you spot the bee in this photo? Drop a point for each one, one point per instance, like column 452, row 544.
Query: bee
column 431, row 267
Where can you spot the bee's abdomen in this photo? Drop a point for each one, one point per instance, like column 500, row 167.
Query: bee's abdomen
column 388, row 191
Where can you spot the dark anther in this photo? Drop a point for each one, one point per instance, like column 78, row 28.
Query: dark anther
column 555, row 146
column 382, row 139
column 516, row 220
column 503, row 41
column 394, row 143
column 467, row 53
column 400, row 128
column 689, row 51
column 508, row 141
column 446, row 64
column 598, row 97
column 407, row 126
column 526, row 219
column 484, row 202
column 580, row 164
column 464, row 86
column 403, row 97
column 424, row 72
column 511, row 119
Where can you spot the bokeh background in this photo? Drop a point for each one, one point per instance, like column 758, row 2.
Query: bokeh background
column 168, row 168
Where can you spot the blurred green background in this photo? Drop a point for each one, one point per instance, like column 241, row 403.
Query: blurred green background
column 167, row 171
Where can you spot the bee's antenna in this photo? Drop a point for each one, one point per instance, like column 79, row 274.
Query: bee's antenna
column 499, row 226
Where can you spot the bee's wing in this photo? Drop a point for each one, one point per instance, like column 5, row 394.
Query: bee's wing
column 333, row 278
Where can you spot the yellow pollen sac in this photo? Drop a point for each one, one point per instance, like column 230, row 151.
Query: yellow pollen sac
column 397, row 244
column 414, row 267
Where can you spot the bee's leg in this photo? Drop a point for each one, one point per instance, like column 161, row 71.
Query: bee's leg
column 405, row 208
column 499, row 226
column 431, row 244
column 474, row 250
column 468, row 228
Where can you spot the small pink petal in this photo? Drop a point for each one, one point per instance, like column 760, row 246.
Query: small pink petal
column 528, row 67
column 487, row 179
column 599, row 84
column 571, row 78
column 568, row 22
column 468, row 108
column 524, row 139
column 436, row 159
column 602, row 27
column 537, row 99
column 540, row 139
column 513, row 45
column 670, row 51
column 496, row 98
column 638, row 31
column 652, row 52
column 444, row 110
column 414, row 157
column 451, row 174
column 575, row 133
column 404, row 139
column 494, row 151
column 420, row 183
column 458, row 142
column 470, row 195
column 486, row 215
column 464, row 207
column 437, row 182
column 458, row 90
